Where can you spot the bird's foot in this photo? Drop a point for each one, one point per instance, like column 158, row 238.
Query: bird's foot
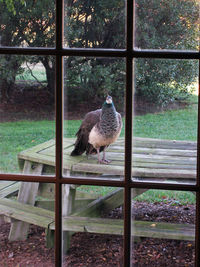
column 104, row 161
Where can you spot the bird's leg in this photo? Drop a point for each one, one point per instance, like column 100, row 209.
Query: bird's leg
column 99, row 161
column 103, row 160
column 104, row 157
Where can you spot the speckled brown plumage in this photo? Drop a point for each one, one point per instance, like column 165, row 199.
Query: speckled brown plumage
column 98, row 130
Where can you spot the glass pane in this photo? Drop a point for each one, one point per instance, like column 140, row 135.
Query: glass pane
column 172, row 24
column 27, row 211
column 165, row 120
column 92, row 226
column 94, row 24
column 163, row 228
column 27, row 23
column 88, row 82
column 27, row 114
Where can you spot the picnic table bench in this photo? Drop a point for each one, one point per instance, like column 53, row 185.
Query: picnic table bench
column 153, row 159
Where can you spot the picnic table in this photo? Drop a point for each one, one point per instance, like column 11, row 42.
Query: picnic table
column 153, row 160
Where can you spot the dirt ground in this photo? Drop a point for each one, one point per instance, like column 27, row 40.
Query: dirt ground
column 96, row 250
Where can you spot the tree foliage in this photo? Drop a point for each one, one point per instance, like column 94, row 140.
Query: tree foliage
column 26, row 23
column 166, row 25
column 160, row 24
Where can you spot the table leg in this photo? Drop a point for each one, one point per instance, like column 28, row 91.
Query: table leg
column 27, row 194
column 68, row 193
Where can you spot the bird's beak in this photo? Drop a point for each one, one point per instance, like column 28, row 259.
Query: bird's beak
column 109, row 99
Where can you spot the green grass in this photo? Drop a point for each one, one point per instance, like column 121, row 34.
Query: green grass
column 102, row 190
column 150, row 196
column 177, row 124
column 18, row 136
column 167, row 196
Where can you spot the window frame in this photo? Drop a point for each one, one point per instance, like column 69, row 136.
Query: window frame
column 129, row 53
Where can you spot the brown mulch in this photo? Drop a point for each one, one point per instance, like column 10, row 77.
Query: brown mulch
column 97, row 250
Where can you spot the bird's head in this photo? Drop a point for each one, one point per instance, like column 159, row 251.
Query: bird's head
column 109, row 99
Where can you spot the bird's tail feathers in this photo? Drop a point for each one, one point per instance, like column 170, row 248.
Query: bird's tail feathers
column 80, row 146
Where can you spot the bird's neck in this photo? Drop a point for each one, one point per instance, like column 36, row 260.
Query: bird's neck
column 108, row 121
column 107, row 109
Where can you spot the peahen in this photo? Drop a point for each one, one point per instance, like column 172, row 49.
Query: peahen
column 99, row 129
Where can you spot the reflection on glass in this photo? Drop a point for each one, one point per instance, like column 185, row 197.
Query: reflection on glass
column 165, row 120
column 161, row 24
column 163, row 228
column 92, row 226
column 88, row 82
column 94, row 24
column 27, row 23
column 27, row 211
column 27, row 114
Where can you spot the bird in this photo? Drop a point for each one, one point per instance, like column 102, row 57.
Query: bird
column 98, row 130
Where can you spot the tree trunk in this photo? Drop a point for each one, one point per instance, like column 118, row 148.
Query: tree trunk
column 49, row 65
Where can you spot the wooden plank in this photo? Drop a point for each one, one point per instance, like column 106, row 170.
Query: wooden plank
column 95, row 207
column 9, row 190
column 164, row 173
column 109, row 202
column 157, row 157
column 68, row 204
column 98, row 168
column 137, row 172
column 156, row 151
column 139, row 228
column 164, row 143
column 26, row 213
column 85, row 195
column 46, row 190
column 151, row 165
column 45, row 218
column 38, row 158
column 4, row 184
column 39, row 147
column 151, row 143
column 166, row 159
column 148, row 161
column 27, row 194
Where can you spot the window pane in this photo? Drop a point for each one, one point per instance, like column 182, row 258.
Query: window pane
column 92, row 226
column 27, row 23
column 26, row 216
column 165, row 120
column 163, row 228
column 172, row 24
column 88, row 81
column 94, row 24
column 27, row 114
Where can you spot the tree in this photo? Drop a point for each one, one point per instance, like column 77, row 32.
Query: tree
column 160, row 24
column 10, row 65
column 94, row 24
column 30, row 23
column 36, row 28
column 166, row 25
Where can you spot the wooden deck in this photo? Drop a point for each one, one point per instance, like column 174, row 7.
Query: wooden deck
column 154, row 160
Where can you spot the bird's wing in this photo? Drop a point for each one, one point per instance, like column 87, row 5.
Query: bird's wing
column 120, row 121
column 81, row 144
column 91, row 118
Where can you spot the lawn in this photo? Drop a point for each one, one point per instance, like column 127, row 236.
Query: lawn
column 175, row 124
